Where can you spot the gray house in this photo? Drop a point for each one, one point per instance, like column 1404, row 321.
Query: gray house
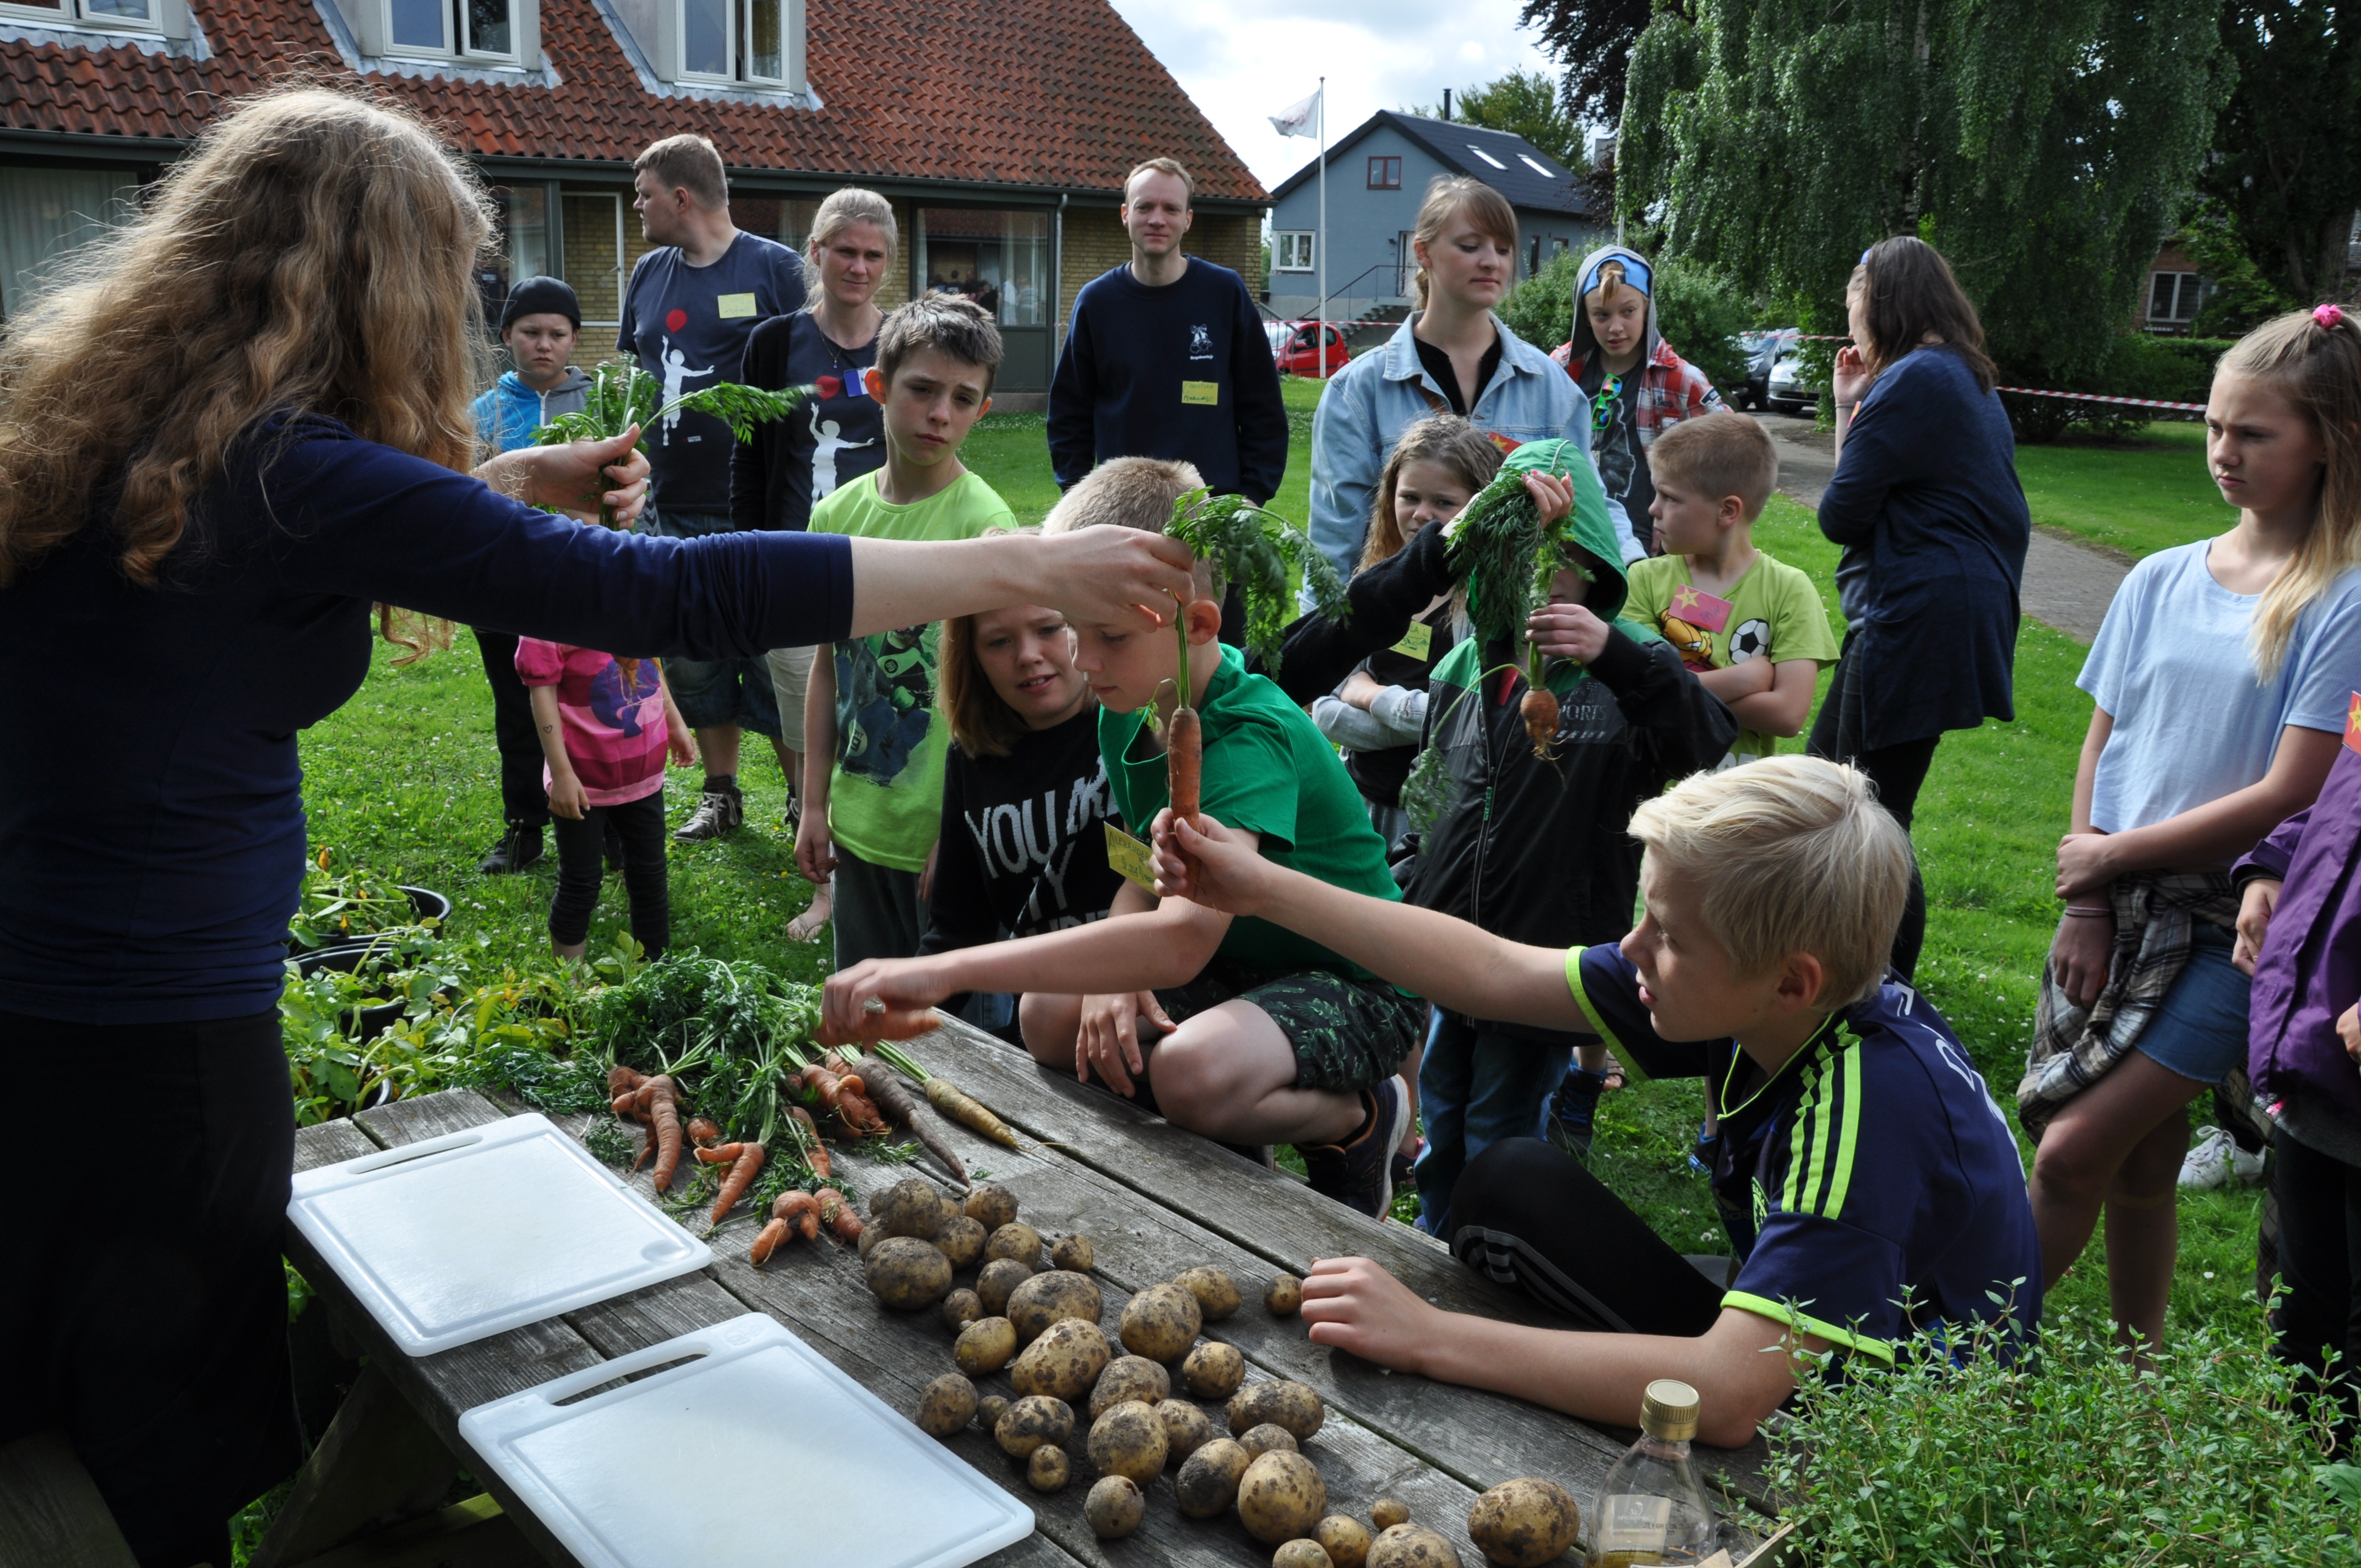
column 1376, row 178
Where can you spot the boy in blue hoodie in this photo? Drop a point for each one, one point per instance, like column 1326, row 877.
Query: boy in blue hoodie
column 539, row 325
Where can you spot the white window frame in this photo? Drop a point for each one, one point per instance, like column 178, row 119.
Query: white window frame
column 1488, row 158
column 167, row 18
column 1301, row 248
column 373, row 22
column 1537, row 166
column 2190, row 283
column 738, row 20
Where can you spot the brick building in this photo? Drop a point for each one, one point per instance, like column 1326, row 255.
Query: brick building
column 1001, row 133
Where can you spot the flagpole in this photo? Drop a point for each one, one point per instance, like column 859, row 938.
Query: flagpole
column 1320, row 328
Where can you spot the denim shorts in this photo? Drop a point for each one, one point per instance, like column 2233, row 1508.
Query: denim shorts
column 2199, row 1030
column 715, row 692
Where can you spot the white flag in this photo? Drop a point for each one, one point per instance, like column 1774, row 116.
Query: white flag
column 1298, row 119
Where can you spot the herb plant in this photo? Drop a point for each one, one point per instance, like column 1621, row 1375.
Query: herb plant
column 622, row 395
column 341, row 907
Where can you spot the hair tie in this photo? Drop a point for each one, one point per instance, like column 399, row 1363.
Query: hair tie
column 2329, row 317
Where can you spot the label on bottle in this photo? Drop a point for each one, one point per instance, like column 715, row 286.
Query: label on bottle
column 1631, row 1528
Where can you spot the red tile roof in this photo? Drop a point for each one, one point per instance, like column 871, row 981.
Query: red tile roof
column 1050, row 92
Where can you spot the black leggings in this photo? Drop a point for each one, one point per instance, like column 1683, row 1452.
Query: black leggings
column 524, row 802
column 1528, row 1215
column 638, row 825
column 2320, row 1265
column 146, row 1318
column 1898, row 770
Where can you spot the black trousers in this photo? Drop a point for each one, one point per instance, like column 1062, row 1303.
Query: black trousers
column 639, row 826
column 1529, row 1215
column 2320, row 1265
column 1898, row 770
column 523, row 800
column 145, row 1309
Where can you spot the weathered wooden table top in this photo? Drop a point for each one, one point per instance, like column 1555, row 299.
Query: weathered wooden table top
column 1154, row 1200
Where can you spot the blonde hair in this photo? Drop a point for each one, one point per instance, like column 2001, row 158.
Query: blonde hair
column 1721, row 454
column 311, row 254
column 1447, row 196
column 1611, row 277
column 1445, row 439
column 1794, row 855
column 1132, row 492
column 687, row 162
column 843, row 210
column 2316, row 364
column 1163, row 166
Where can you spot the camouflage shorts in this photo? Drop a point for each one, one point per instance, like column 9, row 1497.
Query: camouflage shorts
column 1347, row 1034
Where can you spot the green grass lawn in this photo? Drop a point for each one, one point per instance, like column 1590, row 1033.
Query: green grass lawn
column 405, row 780
column 2137, row 496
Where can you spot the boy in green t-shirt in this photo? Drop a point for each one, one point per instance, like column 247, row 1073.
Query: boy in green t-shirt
column 873, row 759
column 1753, row 629
column 1254, row 1035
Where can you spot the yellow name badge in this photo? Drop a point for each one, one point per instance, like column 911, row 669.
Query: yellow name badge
column 1129, row 859
column 1416, row 642
column 734, row 306
column 1206, row 392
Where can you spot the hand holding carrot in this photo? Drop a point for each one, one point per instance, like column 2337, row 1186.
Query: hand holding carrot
column 904, row 985
column 1552, row 496
column 1209, row 864
column 1568, row 631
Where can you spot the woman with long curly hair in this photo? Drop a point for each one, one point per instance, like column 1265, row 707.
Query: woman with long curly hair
column 242, row 425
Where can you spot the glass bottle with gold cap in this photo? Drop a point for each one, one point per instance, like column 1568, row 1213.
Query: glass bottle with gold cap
column 1651, row 1508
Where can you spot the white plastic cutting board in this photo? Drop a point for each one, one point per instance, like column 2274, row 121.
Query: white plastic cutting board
column 757, row 1453
column 461, row 1236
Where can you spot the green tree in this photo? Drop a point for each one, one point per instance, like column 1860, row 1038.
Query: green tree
column 2046, row 149
column 1592, row 40
column 2286, row 161
column 1523, row 103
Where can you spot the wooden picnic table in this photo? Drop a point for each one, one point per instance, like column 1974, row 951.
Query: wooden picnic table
column 1153, row 1199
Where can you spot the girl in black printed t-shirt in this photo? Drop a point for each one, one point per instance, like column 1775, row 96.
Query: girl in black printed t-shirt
column 1026, row 802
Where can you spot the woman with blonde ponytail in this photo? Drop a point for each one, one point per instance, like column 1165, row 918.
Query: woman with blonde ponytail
column 242, row 423
column 2223, row 679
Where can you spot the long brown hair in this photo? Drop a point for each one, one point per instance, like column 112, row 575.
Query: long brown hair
column 983, row 724
column 2312, row 359
column 1913, row 296
column 311, row 254
column 1447, row 196
column 1445, row 439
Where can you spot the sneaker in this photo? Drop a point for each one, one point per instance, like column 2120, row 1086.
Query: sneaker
column 1574, row 1110
column 519, row 846
column 2208, row 1165
column 794, row 816
column 718, row 811
column 1358, row 1172
column 2246, row 1167
column 1401, row 1171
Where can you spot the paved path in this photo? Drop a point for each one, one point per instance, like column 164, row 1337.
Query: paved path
column 2068, row 585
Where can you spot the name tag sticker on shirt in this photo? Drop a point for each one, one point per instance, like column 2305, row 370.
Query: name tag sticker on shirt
column 1206, row 392
column 2353, row 724
column 1700, row 609
column 1129, row 859
column 1417, row 641
column 731, row 307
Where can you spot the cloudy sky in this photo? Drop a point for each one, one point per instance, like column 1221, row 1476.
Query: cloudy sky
column 1245, row 59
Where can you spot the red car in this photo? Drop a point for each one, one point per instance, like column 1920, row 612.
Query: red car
column 1292, row 346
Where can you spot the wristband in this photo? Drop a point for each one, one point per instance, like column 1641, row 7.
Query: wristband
column 2089, row 913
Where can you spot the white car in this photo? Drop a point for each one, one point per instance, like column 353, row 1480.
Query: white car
column 1793, row 385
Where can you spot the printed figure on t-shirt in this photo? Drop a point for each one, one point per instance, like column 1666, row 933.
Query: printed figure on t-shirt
column 887, row 687
column 828, row 440
column 676, row 377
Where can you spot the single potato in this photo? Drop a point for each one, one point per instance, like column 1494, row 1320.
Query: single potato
column 1286, row 1403
column 908, row 1274
column 1259, row 1441
column 1524, row 1523
column 1129, row 1440
column 870, row 1236
column 1345, row 1539
column 1020, row 1242
column 1186, row 1430
column 1044, row 1298
column 1216, row 1292
column 1213, row 1370
column 1115, row 1506
column 997, row 1283
column 1073, row 1252
column 1302, row 1552
column 911, row 1207
column 1049, row 1469
column 961, row 1308
column 1129, row 1377
column 1208, row 1483
column 989, row 1409
column 990, row 1205
column 1031, row 1422
column 1386, row 1513
column 1411, row 1546
column 946, row 1405
column 1284, row 1296
column 984, row 1346
column 1160, row 1322
column 1281, row 1496
column 961, row 1241
column 1064, row 1362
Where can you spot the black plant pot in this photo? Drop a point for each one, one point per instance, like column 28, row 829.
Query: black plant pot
column 362, row 1022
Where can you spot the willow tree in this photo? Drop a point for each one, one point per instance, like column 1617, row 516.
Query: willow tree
column 2045, row 147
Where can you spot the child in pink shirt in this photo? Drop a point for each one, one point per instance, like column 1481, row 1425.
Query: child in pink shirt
column 605, row 724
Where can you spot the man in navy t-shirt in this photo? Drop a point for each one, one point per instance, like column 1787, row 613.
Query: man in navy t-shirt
column 687, row 312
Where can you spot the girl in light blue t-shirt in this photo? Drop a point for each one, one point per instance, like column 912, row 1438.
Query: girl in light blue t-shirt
column 2221, row 678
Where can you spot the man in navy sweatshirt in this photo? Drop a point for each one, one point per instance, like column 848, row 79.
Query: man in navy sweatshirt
column 1166, row 357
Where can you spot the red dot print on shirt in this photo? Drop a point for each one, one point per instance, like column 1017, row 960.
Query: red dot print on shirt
column 831, row 385
column 676, row 320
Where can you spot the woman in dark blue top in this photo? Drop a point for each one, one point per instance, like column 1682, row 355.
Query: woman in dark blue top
column 1926, row 504
column 243, row 425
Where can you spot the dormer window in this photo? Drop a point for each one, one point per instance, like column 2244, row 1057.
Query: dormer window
column 734, row 41
column 140, row 16
column 494, row 32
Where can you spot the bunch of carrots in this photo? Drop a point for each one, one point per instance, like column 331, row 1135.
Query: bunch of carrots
column 1509, row 558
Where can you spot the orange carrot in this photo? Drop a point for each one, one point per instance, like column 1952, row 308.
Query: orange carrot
column 815, row 1149
column 794, row 1214
column 1539, row 712
column 1184, row 758
column 860, row 1115
column 842, row 1221
column 658, row 1104
column 703, row 1133
column 745, row 1163
column 825, row 1083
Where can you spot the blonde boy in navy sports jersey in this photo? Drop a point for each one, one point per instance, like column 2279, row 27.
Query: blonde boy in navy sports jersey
column 1871, row 1188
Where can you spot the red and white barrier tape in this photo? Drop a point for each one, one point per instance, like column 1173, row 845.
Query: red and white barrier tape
column 2095, row 398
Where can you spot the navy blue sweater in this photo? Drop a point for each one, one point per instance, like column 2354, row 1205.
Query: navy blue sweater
column 1182, row 371
column 151, row 814
column 1926, row 502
